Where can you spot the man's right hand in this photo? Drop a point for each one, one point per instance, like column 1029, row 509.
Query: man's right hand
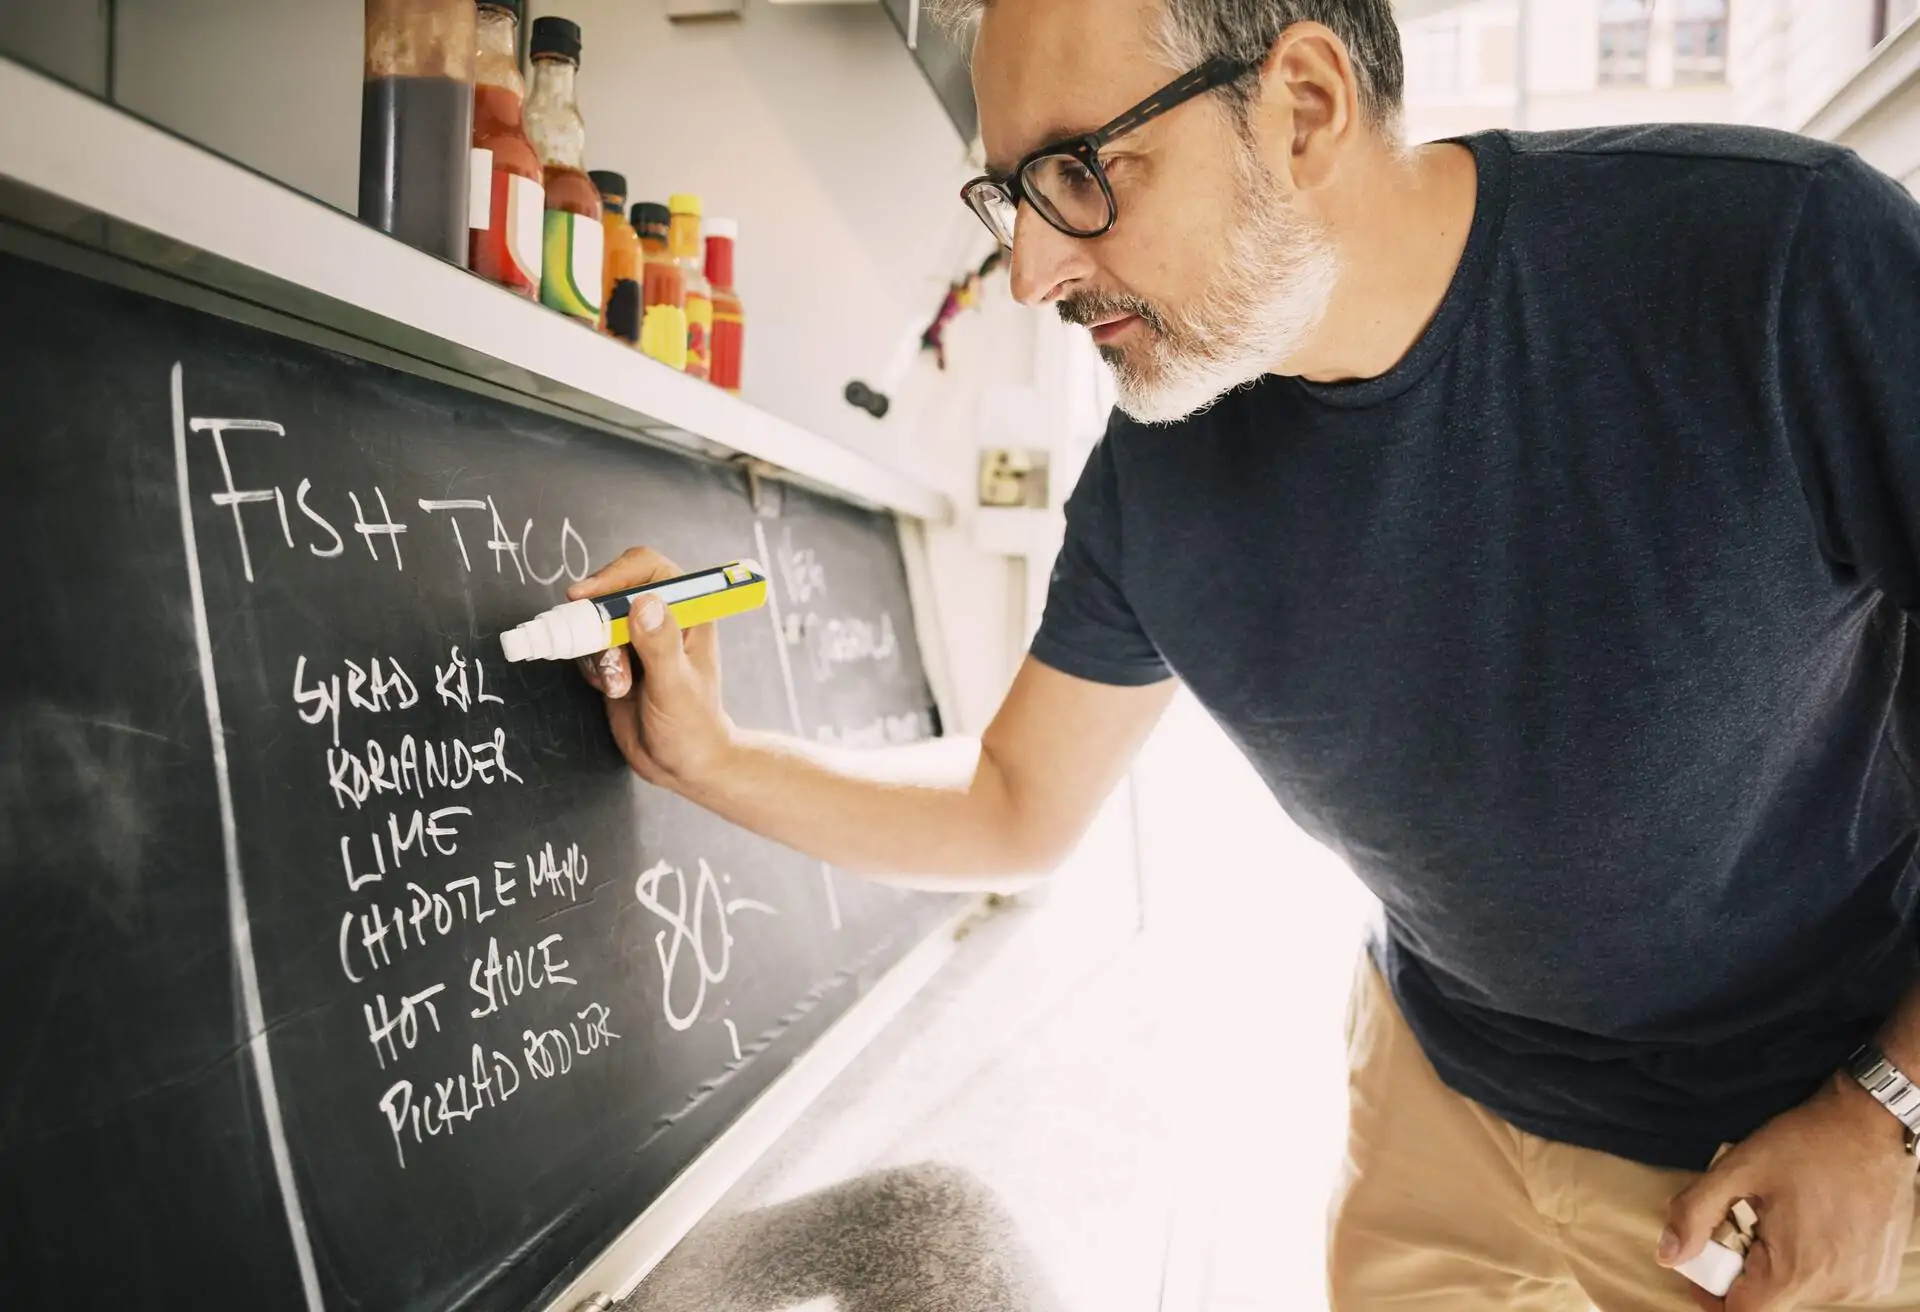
column 669, row 723
column 1052, row 754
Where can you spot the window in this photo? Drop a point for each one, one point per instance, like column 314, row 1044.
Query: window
column 1700, row 41
column 1625, row 26
column 1433, row 61
column 1496, row 57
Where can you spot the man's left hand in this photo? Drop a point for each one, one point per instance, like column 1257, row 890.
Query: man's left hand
column 1833, row 1187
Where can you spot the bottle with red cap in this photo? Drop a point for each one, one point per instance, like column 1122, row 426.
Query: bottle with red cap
column 683, row 240
column 728, row 341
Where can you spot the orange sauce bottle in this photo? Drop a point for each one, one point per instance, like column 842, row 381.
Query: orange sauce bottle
column 663, row 289
column 620, row 279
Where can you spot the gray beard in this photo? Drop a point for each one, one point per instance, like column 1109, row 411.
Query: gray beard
column 1271, row 289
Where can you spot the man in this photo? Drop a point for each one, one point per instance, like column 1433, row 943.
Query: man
column 1540, row 515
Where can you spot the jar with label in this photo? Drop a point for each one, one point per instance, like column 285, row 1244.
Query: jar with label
column 729, row 317
column 683, row 240
column 509, row 195
column 574, row 246
column 416, row 123
column 663, row 292
column 620, row 277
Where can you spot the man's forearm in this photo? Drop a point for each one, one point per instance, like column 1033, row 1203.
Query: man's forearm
column 937, row 809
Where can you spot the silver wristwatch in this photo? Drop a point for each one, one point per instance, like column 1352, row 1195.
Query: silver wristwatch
column 1890, row 1088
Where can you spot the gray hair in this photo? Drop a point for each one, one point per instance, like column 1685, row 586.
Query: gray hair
column 1193, row 31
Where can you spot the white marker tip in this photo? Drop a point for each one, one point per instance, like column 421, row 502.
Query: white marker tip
column 515, row 645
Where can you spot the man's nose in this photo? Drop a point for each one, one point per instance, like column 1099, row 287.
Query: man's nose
column 1045, row 260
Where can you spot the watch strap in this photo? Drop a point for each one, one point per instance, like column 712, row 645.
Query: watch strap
column 1890, row 1087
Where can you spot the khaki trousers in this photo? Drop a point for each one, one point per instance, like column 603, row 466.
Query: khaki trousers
column 1444, row 1207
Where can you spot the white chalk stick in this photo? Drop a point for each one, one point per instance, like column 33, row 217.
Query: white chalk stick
column 1713, row 1269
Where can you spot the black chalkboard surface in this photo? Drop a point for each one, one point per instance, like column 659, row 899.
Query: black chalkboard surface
column 414, row 996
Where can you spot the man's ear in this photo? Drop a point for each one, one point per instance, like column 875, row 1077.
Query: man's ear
column 1309, row 99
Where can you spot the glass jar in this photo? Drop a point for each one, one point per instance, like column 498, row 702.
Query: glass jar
column 416, row 122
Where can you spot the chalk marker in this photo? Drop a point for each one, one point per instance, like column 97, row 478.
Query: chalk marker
column 1714, row 1268
column 593, row 624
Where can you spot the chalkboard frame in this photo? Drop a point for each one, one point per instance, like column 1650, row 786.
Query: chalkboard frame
column 617, row 1269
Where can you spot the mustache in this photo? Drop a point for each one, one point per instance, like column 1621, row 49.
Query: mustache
column 1090, row 307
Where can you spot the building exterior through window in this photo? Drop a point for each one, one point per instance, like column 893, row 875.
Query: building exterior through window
column 1592, row 62
column 1700, row 41
column 1626, row 34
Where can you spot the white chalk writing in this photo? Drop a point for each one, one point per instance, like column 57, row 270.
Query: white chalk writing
column 500, row 982
column 707, row 933
column 488, row 1083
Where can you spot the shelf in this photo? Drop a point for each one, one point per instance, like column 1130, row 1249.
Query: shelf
column 174, row 206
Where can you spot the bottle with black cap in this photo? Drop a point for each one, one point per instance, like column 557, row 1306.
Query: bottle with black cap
column 574, row 247
column 620, row 283
column 663, row 290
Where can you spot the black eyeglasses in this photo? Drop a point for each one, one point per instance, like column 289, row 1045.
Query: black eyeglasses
column 1064, row 180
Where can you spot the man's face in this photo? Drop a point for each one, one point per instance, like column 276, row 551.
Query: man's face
column 1211, row 276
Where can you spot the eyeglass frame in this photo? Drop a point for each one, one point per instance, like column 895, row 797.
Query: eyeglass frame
column 1215, row 73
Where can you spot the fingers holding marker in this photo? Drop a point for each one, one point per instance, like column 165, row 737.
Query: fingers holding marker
column 655, row 636
column 633, row 568
column 702, row 642
column 615, row 671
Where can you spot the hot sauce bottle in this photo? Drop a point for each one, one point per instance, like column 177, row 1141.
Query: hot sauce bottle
column 729, row 318
column 509, row 198
column 683, row 240
column 663, row 291
column 574, row 246
column 620, row 278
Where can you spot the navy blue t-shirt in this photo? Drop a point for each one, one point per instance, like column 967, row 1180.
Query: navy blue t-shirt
column 1582, row 632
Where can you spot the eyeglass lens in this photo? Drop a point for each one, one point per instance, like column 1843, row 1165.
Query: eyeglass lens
column 995, row 209
column 1069, row 194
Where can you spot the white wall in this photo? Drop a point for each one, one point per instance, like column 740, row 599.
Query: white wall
column 274, row 84
column 812, row 127
column 67, row 39
column 1877, row 111
column 1792, row 56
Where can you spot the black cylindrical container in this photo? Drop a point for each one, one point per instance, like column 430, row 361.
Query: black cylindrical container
column 416, row 122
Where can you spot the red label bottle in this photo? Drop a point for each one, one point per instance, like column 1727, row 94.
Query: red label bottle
column 509, row 200
column 728, row 341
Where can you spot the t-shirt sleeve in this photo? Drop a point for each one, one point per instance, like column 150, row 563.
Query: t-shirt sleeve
column 1849, row 372
column 1088, row 629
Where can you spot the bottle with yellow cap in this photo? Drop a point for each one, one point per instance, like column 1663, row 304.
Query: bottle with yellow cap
column 684, row 243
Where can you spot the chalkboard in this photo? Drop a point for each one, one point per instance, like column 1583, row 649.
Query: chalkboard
column 413, row 996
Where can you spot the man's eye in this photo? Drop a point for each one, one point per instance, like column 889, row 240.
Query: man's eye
column 1066, row 176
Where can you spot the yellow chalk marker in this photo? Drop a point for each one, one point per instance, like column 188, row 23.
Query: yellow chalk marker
column 593, row 624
